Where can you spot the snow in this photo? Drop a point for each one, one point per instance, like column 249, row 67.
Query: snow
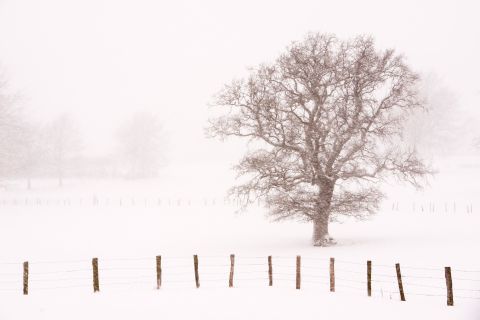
column 266, row 303
column 59, row 231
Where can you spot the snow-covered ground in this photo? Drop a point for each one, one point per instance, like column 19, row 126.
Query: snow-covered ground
column 126, row 224
column 253, row 303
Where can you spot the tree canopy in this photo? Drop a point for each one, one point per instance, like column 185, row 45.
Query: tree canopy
column 327, row 116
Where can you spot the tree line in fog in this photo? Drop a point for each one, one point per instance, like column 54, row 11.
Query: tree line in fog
column 30, row 150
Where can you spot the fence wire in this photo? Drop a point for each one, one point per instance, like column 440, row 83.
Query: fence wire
column 248, row 270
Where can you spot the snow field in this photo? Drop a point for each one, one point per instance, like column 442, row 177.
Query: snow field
column 133, row 222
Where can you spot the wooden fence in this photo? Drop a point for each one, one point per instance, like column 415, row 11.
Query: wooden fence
column 318, row 271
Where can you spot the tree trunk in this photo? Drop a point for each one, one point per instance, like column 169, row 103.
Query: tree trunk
column 321, row 237
column 60, row 178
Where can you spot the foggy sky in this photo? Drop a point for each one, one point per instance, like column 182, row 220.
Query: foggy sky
column 103, row 59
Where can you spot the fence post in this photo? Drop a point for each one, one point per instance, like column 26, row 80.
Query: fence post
column 270, row 271
column 298, row 276
column 369, row 278
column 195, row 266
column 232, row 264
column 96, row 285
column 400, row 284
column 25, row 278
column 159, row 271
column 332, row 274
column 448, row 279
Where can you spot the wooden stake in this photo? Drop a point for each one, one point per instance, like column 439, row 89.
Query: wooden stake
column 369, row 278
column 96, row 284
column 159, row 271
column 270, row 271
column 195, row 266
column 400, row 284
column 25, row 278
column 448, row 279
column 332, row 274
column 232, row 265
column 298, row 276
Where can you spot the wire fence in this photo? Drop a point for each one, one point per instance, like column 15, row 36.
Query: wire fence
column 121, row 201
column 419, row 207
column 246, row 271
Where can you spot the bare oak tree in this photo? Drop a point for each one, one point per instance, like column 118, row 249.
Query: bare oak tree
column 326, row 118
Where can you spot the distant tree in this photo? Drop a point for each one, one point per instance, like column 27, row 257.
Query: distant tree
column 326, row 118
column 435, row 129
column 31, row 154
column 476, row 143
column 141, row 145
column 63, row 143
column 11, row 130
